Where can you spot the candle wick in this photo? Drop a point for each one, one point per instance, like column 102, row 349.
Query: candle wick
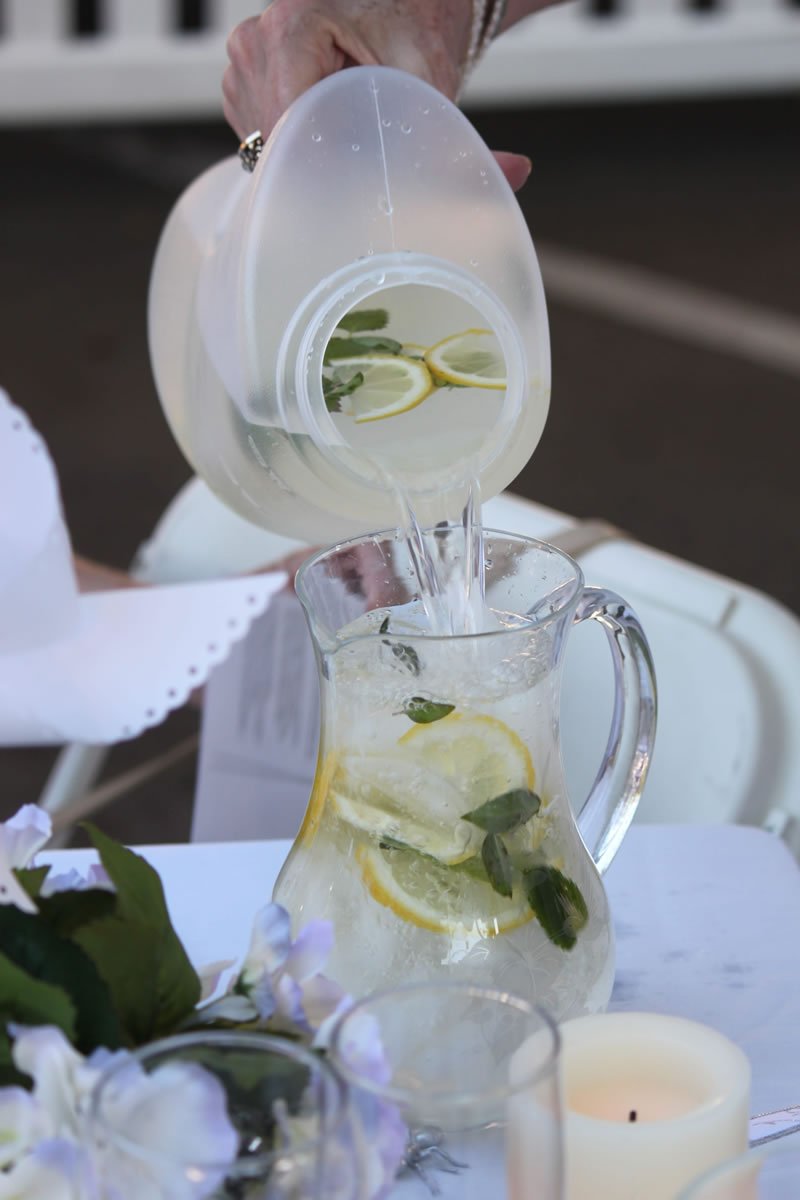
column 632, row 1115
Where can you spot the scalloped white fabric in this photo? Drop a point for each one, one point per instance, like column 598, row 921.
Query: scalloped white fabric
column 102, row 667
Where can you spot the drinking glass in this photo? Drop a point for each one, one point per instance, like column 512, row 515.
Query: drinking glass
column 766, row 1173
column 222, row 1114
column 472, row 1074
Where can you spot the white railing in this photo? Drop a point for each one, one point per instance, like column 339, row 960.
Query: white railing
column 137, row 65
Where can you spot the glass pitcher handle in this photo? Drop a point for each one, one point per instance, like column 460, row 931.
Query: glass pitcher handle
column 608, row 810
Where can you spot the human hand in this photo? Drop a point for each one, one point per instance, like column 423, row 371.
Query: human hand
column 294, row 44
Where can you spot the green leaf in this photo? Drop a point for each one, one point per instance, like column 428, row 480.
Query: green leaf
column 407, row 655
column 9, row 1075
column 333, row 390
column 136, row 950
column 33, row 1001
column 423, row 711
column 368, row 318
column 558, row 903
column 31, row 879
column 67, row 911
column 47, row 957
column 496, row 860
column 505, row 812
column 369, row 345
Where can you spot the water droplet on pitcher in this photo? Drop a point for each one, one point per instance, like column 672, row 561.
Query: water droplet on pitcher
column 405, row 127
column 379, row 277
column 355, row 146
column 483, row 173
column 316, row 137
column 386, row 121
column 370, row 251
column 473, row 262
column 385, row 206
column 425, row 112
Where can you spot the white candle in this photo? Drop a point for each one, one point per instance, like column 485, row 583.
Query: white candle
column 650, row 1102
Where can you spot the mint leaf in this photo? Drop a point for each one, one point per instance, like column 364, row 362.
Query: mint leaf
column 33, row 946
column 384, row 625
column 505, row 812
column 496, row 860
column 31, row 879
column 356, row 347
column 558, row 904
column 136, row 950
column 33, row 1001
column 368, row 318
column 333, row 390
column 407, row 655
column 423, row 711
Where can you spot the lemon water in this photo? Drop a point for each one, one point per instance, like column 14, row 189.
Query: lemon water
column 385, row 843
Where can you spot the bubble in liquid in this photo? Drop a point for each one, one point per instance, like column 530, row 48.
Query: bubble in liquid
column 405, row 127
column 355, row 146
column 316, row 137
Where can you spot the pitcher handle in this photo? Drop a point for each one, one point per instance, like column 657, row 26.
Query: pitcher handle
column 608, row 810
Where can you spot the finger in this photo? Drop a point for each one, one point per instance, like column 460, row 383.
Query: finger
column 515, row 167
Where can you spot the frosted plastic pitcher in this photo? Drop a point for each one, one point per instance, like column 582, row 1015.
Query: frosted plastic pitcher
column 373, row 196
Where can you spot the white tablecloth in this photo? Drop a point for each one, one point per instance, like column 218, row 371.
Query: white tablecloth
column 707, row 920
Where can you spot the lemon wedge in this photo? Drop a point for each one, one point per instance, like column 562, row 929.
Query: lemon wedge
column 316, row 804
column 392, row 385
column 471, row 359
column 399, row 797
column 449, row 900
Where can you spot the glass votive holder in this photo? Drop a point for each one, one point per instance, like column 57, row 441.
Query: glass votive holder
column 764, row 1173
column 471, row 1076
column 222, row 1114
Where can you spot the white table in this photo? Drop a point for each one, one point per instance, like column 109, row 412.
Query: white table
column 707, row 920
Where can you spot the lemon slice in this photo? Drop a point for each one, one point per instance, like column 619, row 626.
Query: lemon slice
column 472, row 359
column 482, row 757
column 316, row 802
column 400, row 798
column 447, row 900
column 392, row 385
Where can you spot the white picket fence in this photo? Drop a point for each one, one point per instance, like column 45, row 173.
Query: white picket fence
column 138, row 66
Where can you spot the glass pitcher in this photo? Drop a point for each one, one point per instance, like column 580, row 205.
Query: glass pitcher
column 439, row 837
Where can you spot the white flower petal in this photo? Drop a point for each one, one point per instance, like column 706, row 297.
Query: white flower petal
column 11, row 890
column 23, row 1123
column 230, row 1007
column 45, row 1054
column 55, row 1170
column 310, row 950
column 270, row 943
column 322, row 1000
column 210, row 976
column 25, row 833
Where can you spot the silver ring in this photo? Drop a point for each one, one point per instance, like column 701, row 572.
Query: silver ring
column 250, row 149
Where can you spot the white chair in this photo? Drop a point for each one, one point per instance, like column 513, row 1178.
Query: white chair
column 727, row 659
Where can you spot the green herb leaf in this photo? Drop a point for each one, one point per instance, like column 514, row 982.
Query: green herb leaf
column 33, row 1001
column 424, row 712
column 136, row 950
column 497, row 862
column 390, row 843
column 558, row 903
column 47, row 957
column 384, row 625
column 505, row 812
column 31, row 879
column 407, row 655
column 357, row 347
column 368, row 318
column 333, row 390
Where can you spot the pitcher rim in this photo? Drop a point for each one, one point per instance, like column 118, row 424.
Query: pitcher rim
column 526, row 623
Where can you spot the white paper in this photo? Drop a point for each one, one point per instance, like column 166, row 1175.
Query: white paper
column 260, row 732
column 101, row 667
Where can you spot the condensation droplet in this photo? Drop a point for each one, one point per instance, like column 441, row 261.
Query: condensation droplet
column 484, row 182
column 425, row 112
column 316, row 137
column 370, row 251
column 356, row 146
column 473, row 262
column 386, row 122
column 405, row 127
column 379, row 277
column 385, row 206
column 417, row 165
column 483, row 173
